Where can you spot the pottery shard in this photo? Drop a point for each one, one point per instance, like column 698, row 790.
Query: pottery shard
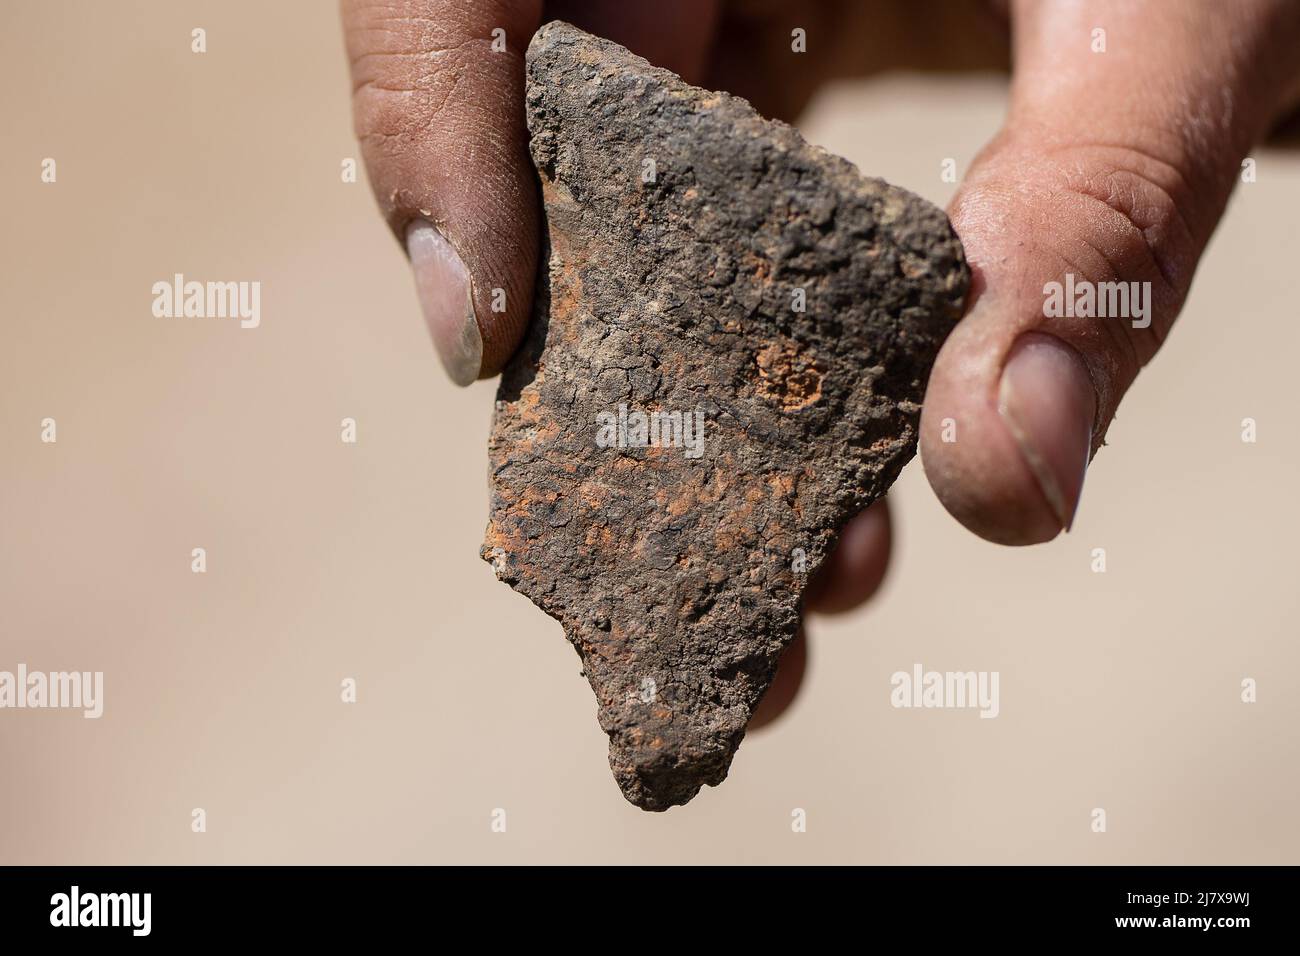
column 726, row 362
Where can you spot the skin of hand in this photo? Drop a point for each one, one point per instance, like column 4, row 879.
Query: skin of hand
column 1112, row 165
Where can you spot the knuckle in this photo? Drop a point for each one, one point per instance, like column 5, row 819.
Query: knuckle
column 1118, row 220
column 1133, row 211
column 400, row 93
column 411, row 61
column 1149, row 203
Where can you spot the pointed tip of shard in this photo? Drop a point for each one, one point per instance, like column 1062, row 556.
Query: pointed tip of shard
column 726, row 362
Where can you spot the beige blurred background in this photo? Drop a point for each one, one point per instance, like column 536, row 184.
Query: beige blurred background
column 328, row 561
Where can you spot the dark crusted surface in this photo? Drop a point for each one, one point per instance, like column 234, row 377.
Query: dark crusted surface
column 675, row 295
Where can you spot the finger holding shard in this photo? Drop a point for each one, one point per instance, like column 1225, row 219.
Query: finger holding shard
column 726, row 362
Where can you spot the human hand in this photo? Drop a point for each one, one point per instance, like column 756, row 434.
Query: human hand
column 1113, row 165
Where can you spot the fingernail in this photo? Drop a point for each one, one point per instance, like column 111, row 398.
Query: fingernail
column 446, row 296
column 1047, row 399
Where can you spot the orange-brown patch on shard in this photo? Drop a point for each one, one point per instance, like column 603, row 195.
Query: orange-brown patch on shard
column 788, row 375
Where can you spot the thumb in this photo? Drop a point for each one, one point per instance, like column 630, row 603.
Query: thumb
column 438, row 105
column 1083, row 222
